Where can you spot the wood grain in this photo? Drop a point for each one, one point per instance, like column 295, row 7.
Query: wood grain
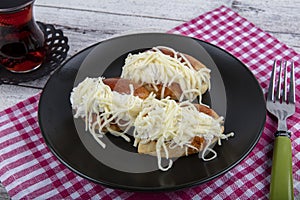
column 176, row 10
column 11, row 94
column 279, row 17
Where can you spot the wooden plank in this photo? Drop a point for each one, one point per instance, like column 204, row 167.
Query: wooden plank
column 172, row 10
column 93, row 27
column 10, row 95
column 262, row 13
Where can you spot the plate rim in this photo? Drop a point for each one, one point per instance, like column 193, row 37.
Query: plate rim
column 158, row 188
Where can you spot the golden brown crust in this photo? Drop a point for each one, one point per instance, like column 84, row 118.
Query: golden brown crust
column 122, row 86
column 173, row 91
column 197, row 65
column 198, row 143
column 205, row 109
column 194, row 62
column 150, row 149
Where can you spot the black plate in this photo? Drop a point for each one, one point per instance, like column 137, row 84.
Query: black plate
column 235, row 93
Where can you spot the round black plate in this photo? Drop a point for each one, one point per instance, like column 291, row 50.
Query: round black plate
column 235, row 93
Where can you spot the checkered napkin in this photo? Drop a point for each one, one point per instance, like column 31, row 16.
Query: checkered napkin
column 29, row 170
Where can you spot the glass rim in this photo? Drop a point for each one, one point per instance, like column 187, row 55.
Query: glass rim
column 11, row 6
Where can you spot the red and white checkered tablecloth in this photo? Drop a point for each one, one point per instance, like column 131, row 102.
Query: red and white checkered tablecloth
column 28, row 169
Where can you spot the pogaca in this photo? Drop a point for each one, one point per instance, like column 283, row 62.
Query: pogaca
column 159, row 107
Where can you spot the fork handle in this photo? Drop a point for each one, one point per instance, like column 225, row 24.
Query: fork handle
column 281, row 175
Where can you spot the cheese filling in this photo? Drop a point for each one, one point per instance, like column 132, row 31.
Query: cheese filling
column 155, row 67
column 100, row 106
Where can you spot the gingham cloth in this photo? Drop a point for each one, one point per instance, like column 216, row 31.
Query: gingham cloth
column 29, row 170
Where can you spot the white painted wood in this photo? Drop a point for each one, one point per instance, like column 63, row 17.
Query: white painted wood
column 93, row 27
column 279, row 17
column 10, row 95
column 172, row 10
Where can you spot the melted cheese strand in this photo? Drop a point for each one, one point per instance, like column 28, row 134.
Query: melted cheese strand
column 159, row 145
column 208, row 139
column 155, row 67
column 94, row 101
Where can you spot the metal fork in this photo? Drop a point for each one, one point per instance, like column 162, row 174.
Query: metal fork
column 281, row 103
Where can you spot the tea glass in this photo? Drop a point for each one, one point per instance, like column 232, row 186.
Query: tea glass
column 22, row 43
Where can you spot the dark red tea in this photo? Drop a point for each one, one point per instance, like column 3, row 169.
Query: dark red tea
column 21, row 40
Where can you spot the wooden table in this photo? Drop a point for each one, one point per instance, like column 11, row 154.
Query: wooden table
column 90, row 21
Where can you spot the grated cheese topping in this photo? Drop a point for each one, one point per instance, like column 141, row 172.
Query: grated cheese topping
column 175, row 124
column 154, row 67
column 100, row 106
column 169, row 123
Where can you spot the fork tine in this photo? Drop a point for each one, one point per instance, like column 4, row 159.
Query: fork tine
column 270, row 96
column 278, row 92
column 285, row 86
column 291, row 97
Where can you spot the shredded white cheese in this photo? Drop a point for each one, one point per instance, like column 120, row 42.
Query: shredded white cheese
column 154, row 67
column 99, row 106
column 169, row 123
column 176, row 124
